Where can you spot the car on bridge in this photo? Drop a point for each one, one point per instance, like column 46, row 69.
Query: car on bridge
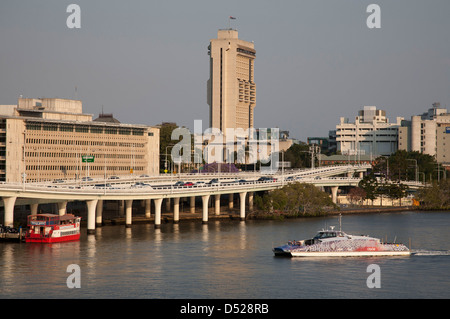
column 179, row 184
column 200, row 183
column 267, row 179
column 188, row 184
column 141, row 185
column 214, row 181
column 107, row 185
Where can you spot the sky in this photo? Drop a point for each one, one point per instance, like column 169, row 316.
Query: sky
column 146, row 61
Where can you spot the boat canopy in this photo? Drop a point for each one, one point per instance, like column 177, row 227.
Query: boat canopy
column 49, row 219
column 329, row 234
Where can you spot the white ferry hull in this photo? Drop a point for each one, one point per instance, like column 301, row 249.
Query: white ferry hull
column 350, row 253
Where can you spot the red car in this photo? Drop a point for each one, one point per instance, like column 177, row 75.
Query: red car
column 188, row 184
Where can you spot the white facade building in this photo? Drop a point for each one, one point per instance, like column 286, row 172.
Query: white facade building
column 427, row 133
column 370, row 134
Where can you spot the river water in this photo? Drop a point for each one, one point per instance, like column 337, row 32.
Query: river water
column 232, row 259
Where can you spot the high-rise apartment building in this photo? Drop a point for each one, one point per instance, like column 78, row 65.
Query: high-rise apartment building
column 231, row 87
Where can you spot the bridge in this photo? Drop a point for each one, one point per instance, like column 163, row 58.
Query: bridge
column 164, row 187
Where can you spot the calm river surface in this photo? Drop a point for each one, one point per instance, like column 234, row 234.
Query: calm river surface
column 232, row 259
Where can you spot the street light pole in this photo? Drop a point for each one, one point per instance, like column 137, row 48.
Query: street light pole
column 415, row 161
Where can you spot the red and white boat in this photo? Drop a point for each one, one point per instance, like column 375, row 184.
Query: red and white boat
column 51, row 228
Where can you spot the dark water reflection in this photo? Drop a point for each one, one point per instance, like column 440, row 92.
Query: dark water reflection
column 231, row 259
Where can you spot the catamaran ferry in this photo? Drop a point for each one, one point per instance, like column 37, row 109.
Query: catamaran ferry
column 51, row 228
column 332, row 243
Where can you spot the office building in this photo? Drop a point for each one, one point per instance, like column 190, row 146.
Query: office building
column 231, row 89
column 370, row 133
column 47, row 139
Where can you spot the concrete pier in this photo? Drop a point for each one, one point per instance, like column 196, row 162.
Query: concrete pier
column 9, row 210
column 128, row 212
column 242, row 205
column 176, row 210
column 205, row 201
column 62, row 208
column 91, row 206
column 158, row 203
column 99, row 213
column 217, row 204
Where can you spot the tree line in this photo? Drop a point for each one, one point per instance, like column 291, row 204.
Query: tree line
column 295, row 200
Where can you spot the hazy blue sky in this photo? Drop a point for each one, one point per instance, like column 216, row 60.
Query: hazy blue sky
column 146, row 61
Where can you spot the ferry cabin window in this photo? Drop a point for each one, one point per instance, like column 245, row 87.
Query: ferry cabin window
column 325, row 235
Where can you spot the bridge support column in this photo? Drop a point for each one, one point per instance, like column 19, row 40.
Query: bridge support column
column 62, row 208
column 158, row 203
column 176, row 210
column 121, row 207
column 148, row 205
column 205, row 201
column 334, row 190
column 99, row 213
column 217, row 204
column 250, row 201
column 128, row 212
column 361, row 174
column 193, row 204
column 91, row 205
column 242, row 204
column 9, row 210
column 34, row 208
column 231, row 202
column 168, row 204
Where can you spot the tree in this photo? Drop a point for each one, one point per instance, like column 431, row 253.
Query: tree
column 356, row 195
column 369, row 184
column 397, row 191
column 298, row 155
column 295, row 199
column 435, row 195
column 165, row 143
column 401, row 165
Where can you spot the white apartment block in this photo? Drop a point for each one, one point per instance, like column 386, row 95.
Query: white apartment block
column 428, row 133
column 370, row 133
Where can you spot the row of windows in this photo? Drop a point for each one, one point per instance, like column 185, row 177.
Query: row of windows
column 58, row 168
column 30, row 155
column 83, row 129
column 72, row 142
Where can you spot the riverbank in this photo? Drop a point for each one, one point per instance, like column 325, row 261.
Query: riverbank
column 255, row 215
column 345, row 211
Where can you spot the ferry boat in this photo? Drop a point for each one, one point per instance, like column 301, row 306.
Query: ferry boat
column 51, row 228
column 332, row 243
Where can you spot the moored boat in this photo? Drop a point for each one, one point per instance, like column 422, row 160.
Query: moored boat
column 332, row 243
column 51, row 228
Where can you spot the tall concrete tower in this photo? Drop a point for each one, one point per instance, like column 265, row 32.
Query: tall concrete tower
column 231, row 87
